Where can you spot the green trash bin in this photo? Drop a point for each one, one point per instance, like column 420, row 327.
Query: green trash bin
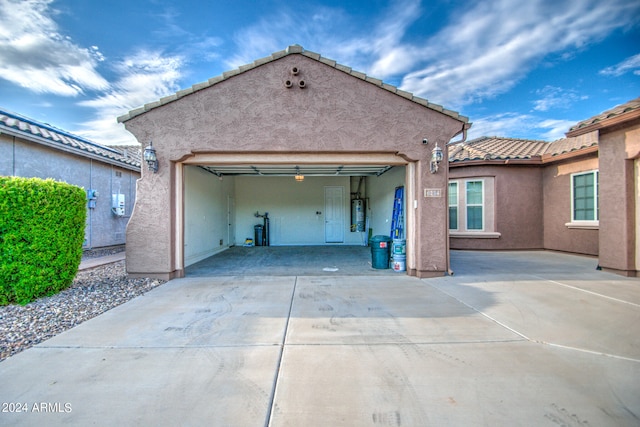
column 380, row 250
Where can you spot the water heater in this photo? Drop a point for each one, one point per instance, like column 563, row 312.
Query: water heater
column 357, row 215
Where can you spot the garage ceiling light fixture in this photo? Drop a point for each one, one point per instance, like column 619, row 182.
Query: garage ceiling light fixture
column 299, row 177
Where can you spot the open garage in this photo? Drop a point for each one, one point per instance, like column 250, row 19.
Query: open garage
column 224, row 204
column 299, row 137
column 289, row 205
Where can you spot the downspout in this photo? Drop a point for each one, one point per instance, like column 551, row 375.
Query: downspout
column 465, row 126
column 464, row 135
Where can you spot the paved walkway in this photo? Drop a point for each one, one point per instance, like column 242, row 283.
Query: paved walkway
column 512, row 339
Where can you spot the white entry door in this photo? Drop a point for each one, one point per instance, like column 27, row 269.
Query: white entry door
column 334, row 214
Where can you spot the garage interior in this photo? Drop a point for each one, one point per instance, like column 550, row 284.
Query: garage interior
column 314, row 225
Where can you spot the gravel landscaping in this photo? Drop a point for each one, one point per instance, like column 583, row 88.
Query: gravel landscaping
column 93, row 292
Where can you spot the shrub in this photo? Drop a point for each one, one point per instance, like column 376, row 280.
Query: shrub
column 41, row 233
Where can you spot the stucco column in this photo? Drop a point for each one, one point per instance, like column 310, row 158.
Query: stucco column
column 431, row 220
column 150, row 231
column 618, row 204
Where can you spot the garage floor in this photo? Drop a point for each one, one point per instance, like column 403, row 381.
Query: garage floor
column 512, row 339
column 289, row 260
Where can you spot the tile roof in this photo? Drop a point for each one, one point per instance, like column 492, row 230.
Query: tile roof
column 14, row 124
column 294, row 49
column 616, row 112
column 572, row 144
column 498, row 148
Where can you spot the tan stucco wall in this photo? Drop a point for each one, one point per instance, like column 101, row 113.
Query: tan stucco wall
column 557, row 208
column 253, row 113
column 517, row 207
column 619, row 149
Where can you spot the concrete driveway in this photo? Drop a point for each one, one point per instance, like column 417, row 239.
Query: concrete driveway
column 512, row 339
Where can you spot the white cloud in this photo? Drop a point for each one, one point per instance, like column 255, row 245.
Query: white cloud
column 515, row 125
column 506, row 124
column 555, row 129
column 375, row 48
column 143, row 77
column 34, row 55
column 631, row 64
column 556, row 98
column 493, row 45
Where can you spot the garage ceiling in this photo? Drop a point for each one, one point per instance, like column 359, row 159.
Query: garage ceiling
column 292, row 170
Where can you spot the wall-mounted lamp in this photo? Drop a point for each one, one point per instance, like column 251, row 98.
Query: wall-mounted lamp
column 436, row 157
column 299, row 177
column 151, row 158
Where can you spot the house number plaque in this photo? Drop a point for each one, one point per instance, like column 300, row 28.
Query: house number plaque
column 433, row 192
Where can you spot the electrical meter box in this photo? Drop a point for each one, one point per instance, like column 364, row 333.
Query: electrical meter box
column 117, row 204
column 92, row 195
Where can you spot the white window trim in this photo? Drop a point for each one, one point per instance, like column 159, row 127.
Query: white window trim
column 474, row 234
column 457, row 206
column 488, row 190
column 582, row 224
column 466, row 205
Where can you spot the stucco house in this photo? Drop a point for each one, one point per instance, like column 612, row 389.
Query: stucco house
column 298, row 136
column 579, row 194
column 29, row 149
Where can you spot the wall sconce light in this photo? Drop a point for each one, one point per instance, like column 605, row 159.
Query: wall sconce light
column 299, row 177
column 151, row 158
column 436, row 157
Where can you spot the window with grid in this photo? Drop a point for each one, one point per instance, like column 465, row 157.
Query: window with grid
column 453, row 206
column 474, row 195
column 585, row 196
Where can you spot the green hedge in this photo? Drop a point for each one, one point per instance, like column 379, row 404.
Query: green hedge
column 41, row 233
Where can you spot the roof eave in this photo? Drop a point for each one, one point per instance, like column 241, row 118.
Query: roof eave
column 67, row 149
column 550, row 158
column 605, row 123
column 533, row 161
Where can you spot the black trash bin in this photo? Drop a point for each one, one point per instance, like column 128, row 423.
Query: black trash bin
column 380, row 250
column 259, row 229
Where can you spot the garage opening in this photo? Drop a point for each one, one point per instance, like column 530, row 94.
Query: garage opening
column 287, row 218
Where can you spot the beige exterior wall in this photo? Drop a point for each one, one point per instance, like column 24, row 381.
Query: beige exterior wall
column 254, row 114
column 513, row 207
column 558, row 235
column 619, row 151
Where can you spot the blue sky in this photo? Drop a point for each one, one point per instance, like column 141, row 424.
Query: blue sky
column 522, row 69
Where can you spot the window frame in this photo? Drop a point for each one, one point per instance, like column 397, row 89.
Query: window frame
column 468, row 205
column 456, row 205
column 488, row 208
column 585, row 223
